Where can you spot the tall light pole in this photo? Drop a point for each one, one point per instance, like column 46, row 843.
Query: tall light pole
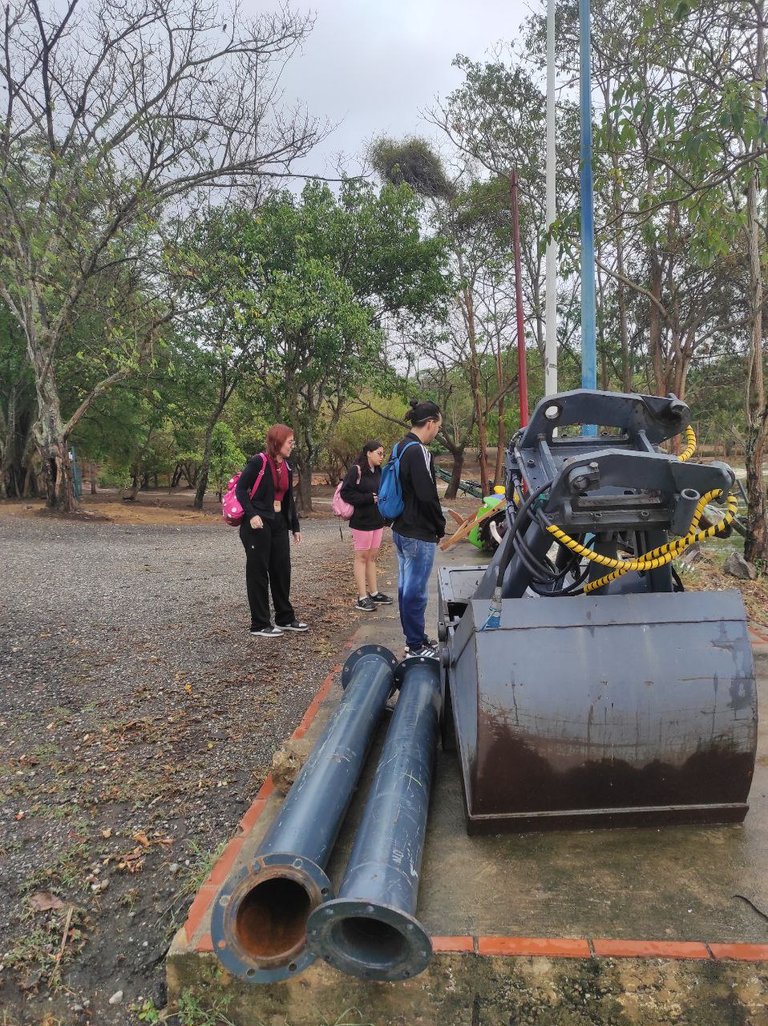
column 588, row 346
column 550, row 309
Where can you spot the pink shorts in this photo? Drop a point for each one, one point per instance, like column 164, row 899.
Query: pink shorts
column 365, row 540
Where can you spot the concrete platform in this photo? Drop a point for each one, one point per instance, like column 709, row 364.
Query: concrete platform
column 639, row 926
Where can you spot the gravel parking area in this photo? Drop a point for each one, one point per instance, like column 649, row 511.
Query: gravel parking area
column 138, row 718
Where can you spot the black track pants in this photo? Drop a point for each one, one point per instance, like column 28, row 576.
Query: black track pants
column 268, row 568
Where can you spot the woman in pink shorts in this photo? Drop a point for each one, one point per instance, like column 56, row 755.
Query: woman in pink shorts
column 360, row 489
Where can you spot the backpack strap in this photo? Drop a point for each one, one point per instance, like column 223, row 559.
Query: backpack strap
column 260, row 474
column 406, row 446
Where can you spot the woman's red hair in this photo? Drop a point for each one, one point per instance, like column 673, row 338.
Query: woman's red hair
column 276, row 437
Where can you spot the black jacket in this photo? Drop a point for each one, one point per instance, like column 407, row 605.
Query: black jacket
column 263, row 502
column 422, row 516
column 360, row 495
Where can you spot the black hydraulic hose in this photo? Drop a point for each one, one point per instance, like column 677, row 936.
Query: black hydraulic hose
column 513, row 530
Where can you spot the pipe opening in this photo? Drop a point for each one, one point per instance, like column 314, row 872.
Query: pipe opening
column 271, row 919
column 370, row 942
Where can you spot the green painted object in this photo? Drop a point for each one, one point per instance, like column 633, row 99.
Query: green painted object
column 488, row 503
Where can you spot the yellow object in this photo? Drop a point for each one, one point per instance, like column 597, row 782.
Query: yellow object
column 499, row 489
column 690, row 449
column 656, row 557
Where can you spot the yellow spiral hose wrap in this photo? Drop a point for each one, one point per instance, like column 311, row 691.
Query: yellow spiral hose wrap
column 657, row 557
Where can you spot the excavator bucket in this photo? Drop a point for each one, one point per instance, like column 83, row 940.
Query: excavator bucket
column 633, row 709
column 585, row 686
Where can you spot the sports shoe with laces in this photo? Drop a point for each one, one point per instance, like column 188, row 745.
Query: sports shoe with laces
column 266, row 632
column 367, row 605
column 294, row 625
column 380, row 598
column 423, row 652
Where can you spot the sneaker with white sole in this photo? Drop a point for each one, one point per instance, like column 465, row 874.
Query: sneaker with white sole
column 380, row 598
column 366, row 604
column 294, row 625
column 266, row 632
column 422, row 652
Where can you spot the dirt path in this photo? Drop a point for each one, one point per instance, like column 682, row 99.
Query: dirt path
column 138, row 718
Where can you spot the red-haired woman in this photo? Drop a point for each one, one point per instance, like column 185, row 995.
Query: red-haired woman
column 269, row 516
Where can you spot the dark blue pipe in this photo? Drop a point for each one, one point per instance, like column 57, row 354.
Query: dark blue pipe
column 259, row 919
column 370, row 930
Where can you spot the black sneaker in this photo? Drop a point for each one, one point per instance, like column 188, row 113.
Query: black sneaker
column 380, row 598
column 367, row 605
column 294, row 625
column 424, row 652
column 266, row 632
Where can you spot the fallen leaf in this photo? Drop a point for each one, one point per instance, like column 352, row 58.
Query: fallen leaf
column 42, row 901
column 106, row 833
column 142, row 838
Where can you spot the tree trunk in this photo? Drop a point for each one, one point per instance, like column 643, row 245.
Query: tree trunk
column 474, row 384
column 51, row 445
column 501, row 444
column 303, row 489
column 655, row 327
column 756, row 541
column 458, row 465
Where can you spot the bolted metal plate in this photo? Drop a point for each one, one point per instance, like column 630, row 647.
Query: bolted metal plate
column 369, row 940
column 364, row 652
column 291, row 955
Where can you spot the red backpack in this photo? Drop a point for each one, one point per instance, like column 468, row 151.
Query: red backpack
column 231, row 509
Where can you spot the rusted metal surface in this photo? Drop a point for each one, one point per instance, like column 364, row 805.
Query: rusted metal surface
column 621, row 709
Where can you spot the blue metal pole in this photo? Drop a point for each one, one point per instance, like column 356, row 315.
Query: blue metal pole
column 588, row 346
column 370, row 930
column 259, row 918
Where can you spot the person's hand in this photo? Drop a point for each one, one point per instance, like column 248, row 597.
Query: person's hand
column 256, row 522
column 297, row 537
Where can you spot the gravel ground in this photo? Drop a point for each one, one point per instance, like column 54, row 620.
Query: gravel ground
column 138, row 718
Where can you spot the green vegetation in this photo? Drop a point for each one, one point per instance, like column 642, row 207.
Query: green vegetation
column 159, row 320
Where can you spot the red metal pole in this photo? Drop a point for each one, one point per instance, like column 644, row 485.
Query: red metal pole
column 522, row 373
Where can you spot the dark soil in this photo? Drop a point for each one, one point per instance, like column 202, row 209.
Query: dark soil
column 138, row 719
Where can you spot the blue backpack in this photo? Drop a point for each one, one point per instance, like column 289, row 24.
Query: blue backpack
column 390, row 501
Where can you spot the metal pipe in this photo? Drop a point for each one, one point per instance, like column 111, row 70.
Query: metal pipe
column 370, row 930
column 522, row 371
column 259, row 918
column 588, row 347
column 550, row 310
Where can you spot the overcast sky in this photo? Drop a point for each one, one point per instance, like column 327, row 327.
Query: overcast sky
column 374, row 65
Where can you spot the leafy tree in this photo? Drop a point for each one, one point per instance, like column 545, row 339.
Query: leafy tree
column 111, row 113
column 226, row 456
column 320, row 278
column 474, row 221
column 17, row 408
column 706, row 138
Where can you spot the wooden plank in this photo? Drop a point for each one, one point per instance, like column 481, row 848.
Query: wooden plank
column 463, row 530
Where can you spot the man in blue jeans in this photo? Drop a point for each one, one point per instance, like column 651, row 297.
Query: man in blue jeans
column 420, row 526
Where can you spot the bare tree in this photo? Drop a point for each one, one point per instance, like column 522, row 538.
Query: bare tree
column 112, row 111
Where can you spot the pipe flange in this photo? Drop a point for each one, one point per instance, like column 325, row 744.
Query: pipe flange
column 228, row 933
column 360, row 653
column 369, row 940
column 413, row 660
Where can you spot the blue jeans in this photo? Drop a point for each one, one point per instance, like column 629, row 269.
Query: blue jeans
column 415, row 559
